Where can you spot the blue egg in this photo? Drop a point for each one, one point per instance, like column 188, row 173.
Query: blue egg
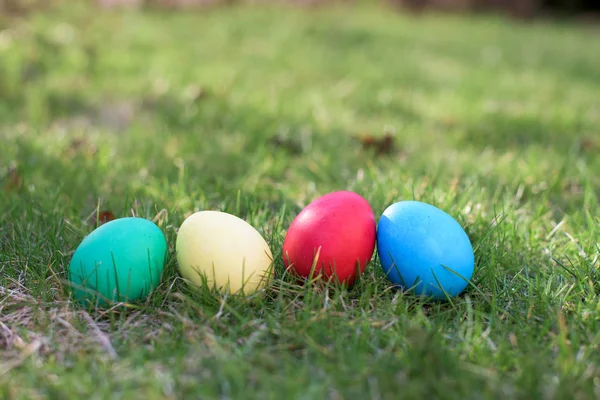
column 424, row 249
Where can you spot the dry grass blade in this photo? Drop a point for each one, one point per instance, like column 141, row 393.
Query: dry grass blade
column 102, row 337
column 27, row 352
column 9, row 339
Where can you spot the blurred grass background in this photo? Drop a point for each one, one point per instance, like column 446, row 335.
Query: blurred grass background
column 257, row 110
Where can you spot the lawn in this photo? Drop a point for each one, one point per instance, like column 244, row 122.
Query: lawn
column 257, row 111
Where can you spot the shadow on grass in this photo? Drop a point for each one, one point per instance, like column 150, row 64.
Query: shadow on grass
column 219, row 144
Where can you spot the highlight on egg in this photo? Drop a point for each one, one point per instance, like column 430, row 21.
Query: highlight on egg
column 332, row 238
column 224, row 252
column 424, row 249
column 120, row 261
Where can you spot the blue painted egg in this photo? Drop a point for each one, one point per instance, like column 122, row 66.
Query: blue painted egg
column 424, row 249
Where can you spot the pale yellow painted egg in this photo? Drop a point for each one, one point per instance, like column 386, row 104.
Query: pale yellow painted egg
column 223, row 251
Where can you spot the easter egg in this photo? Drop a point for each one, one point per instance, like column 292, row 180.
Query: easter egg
column 334, row 236
column 224, row 252
column 122, row 260
column 424, row 249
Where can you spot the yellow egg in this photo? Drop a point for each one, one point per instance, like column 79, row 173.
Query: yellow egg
column 223, row 251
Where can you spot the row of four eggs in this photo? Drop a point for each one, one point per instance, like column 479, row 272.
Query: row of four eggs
column 420, row 247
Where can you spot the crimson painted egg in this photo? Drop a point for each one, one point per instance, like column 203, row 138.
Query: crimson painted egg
column 335, row 234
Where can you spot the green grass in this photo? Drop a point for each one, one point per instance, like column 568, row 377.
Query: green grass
column 160, row 115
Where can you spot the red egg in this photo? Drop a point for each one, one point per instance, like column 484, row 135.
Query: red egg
column 338, row 230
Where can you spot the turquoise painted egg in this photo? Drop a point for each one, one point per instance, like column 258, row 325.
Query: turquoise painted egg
column 120, row 261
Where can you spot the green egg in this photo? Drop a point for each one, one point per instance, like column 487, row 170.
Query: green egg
column 122, row 260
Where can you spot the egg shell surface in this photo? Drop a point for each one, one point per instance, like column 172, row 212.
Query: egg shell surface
column 122, row 260
column 420, row 245
column 223, row 251
column 340, row 227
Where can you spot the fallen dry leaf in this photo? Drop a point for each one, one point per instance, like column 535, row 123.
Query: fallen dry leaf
column 589, row 144
column 194, row 93
column 382, row 145
column 448, row 122
column 80, row 145
column 572, row 187
column 286, row 143
column 104, row 217
column 120, row 3
column 14, row 180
